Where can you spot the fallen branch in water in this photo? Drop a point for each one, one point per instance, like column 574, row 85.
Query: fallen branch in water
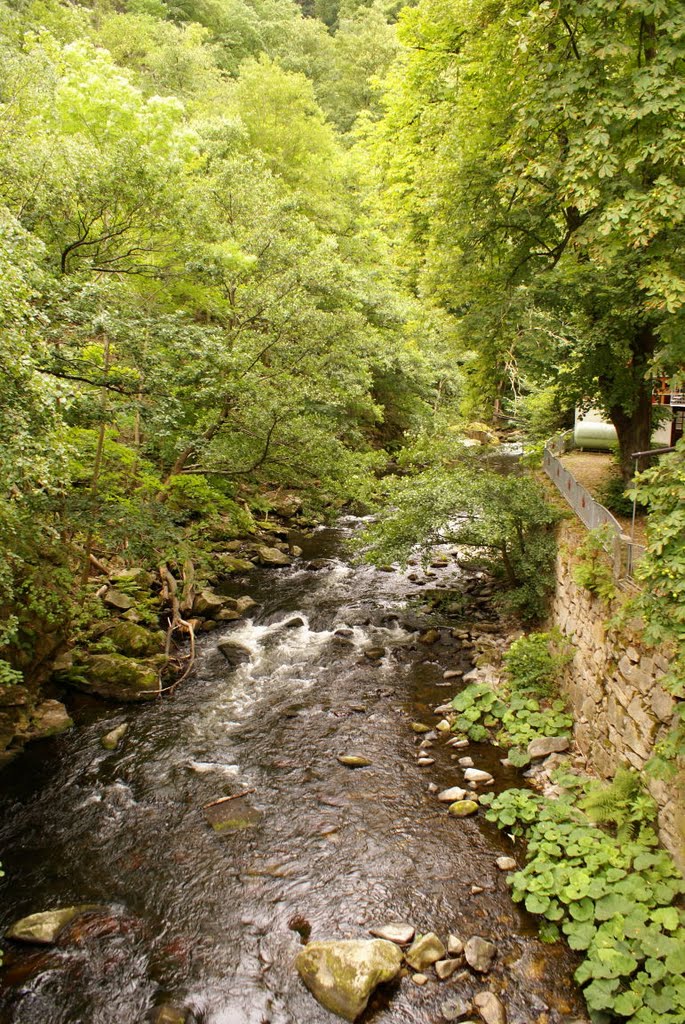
column 225, row 799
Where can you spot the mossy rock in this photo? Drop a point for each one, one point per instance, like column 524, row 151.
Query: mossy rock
column 136, row 642
column 342, row 975
column 117, row 677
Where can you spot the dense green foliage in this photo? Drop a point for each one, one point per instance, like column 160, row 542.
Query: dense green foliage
column 504, row 517
column 531, row 157
column 662, row 573
column 194, row 305
column 608, row 890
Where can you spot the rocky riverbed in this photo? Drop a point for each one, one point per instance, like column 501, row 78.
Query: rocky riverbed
column 226, row 826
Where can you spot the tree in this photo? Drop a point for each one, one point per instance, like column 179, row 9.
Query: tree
column 533, row 151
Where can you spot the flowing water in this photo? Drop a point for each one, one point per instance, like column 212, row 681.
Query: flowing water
column 211, row 920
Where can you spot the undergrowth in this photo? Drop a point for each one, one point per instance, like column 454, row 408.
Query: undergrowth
column 595, row 876
column 526, row 707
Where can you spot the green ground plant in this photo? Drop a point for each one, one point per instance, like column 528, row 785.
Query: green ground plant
column 613, row 898
column 512, row 719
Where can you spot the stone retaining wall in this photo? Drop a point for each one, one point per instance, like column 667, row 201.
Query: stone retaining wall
column 613, row 683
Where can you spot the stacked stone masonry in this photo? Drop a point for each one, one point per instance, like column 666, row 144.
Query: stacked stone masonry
column 614, row 685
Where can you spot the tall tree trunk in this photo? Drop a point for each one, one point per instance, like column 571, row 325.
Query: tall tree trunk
column 634, row 425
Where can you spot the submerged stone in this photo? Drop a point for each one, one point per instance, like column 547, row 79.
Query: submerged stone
column 43, row 928
column 342, row 975
column 354, row 760
column 111, row 740
column 232, row 816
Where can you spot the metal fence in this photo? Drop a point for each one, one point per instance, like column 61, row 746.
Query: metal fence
column 625, row 553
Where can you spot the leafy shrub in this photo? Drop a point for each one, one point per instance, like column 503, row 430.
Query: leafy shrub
column 612, row 494
column 594, row 571
column 9, row 676
column 612, row 899
column 533, row 662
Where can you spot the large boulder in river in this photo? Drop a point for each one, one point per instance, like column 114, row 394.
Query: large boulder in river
column 119, row 678
column 135, row 641
column 342, row 975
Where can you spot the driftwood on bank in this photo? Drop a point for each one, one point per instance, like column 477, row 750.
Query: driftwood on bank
column 176, row 621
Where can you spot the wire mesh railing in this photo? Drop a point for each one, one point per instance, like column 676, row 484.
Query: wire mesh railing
column 625, row 552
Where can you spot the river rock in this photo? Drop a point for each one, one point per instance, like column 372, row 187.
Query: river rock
column 284, row 504
column 451, row 795
column 354, row 760
column 245, row 604
column 119, row 678
column 506, row 863
column 342, row 975
column 490, row 1008
column 234, row 653
column 455, row 1009
column 424, row 951
column 231, row 563
column 544, row 745
column 136, row 642
column 465, row 762
column 111, row 740
column 431, row 636
column 374, row 653
column 207, row 604
column 425, row 762
column 397, row 931
column 49, row 719
column 476, row 775
column 419, row 979
column 295, row 623
column 232, row 815
column 117, row 600
column 452, row 673
column 463, row 808
column 419, row 727
column 446, row 968
column 479, row 953
column 273, row 556
column 170, row 1015
column 443, row 726
column 227, row 615
column 43, row 928
column 454, row 945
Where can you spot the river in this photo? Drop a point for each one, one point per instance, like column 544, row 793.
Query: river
column 210, row 921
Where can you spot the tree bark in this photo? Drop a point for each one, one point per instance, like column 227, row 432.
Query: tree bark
column 633, row 422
